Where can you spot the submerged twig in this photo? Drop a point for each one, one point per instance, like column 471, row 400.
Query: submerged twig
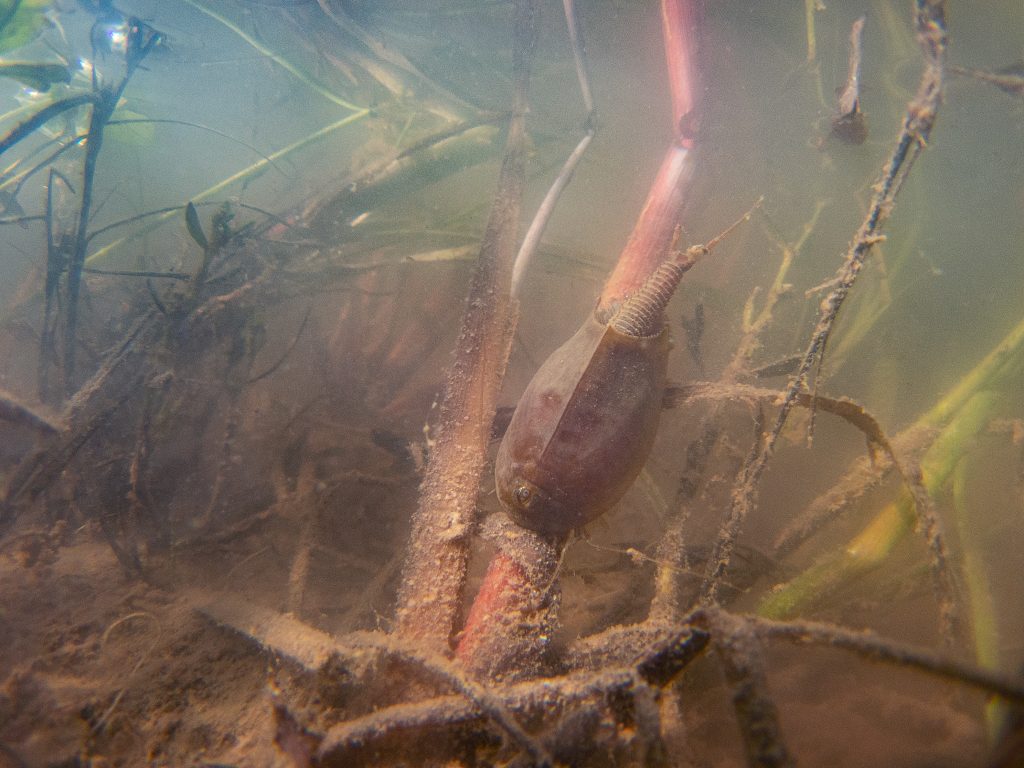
column 15, row 412
column 914, row 132
column 870, row 646
column 869, row 547
column 614, row 669
column 754, row 326
column 1008, row 79
column 746, row 672
column 137, row 273
column 314, row 650
column 940, row 438
column 909, row 470
column 547, row 208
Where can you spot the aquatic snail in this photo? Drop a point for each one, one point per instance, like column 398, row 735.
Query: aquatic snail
column 586, row 423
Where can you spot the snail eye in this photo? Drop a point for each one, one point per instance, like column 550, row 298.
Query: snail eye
column 522, row 494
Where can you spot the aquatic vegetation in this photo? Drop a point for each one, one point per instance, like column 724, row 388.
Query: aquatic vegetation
column 21, row 21
column 229, row 537
column 36, row 76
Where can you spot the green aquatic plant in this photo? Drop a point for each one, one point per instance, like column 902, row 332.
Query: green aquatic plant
column 39, row 76
column 21, row 22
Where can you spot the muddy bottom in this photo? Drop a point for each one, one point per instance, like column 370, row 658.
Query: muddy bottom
column 99, row 670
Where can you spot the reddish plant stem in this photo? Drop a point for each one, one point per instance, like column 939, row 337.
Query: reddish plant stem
column 652, row 234
column 680, row 20
column 510, row 626
column 505, row 632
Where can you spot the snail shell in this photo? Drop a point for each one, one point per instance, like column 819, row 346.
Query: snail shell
column 583, row 428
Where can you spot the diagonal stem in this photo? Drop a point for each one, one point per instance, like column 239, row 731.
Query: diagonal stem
column 434, row 574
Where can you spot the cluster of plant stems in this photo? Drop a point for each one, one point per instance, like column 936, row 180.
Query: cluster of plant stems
column 494, row 672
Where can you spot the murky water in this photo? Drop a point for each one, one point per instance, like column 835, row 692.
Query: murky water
column 246, row 418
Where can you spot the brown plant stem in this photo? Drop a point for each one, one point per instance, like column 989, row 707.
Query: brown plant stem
column 435, row 567
column 651, row 237
column 15, row 412
column 868, row 645
column 680, row 22
column 746, row 672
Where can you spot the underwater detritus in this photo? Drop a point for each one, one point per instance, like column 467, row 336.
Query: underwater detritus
column 848, row 123
column 435, row 569
column 1009, row 79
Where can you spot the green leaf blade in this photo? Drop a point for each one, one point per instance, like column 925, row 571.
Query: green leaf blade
column 22, row 26
column 37, row 75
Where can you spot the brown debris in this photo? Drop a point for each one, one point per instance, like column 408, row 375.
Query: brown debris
column 848, row 124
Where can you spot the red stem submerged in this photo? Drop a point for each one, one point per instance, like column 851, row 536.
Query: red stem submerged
column 509, row 590
column 652, row 235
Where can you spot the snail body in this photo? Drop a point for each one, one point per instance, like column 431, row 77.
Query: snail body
column 583, row 428
column 586, row 423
